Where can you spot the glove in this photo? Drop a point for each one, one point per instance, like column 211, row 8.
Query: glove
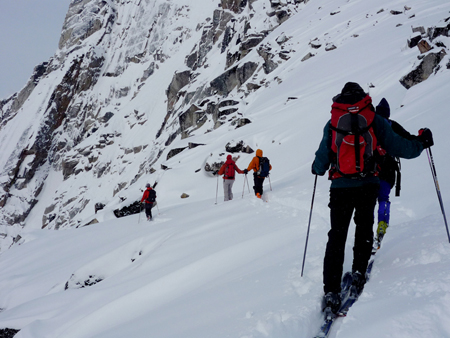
column 313, row 171
column 245, row 171
column 425, row 137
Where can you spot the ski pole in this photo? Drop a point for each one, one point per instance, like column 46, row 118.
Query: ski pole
column 140, row 209
column 438, row 190
column 309, row 224
column 217, row 188
column 247, row 183
column 270, row 183
column 243, row 188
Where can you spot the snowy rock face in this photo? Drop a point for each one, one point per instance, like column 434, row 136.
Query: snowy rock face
column 83, row 106
column 132, row 80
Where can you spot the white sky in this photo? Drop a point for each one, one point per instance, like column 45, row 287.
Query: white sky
column 29, row 35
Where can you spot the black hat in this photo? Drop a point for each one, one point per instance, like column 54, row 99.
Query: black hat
column 383, row 109
column 351, row 93
column 352, row 88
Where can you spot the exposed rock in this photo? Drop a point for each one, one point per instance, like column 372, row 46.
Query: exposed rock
column 94, row 221
column 434, row 32
column 179, row 80
column 184, row 195
column 118, row 188
column 148, row 72
column 74, row 283
column 236, row 6
column 98, row 206
column 242, row 122
column 424, row 46
column 134, row 208
column 106, row 117
column 174, row 152
column 424, row 70
column 307, row 57
column 282, row 15
column 269, row 65
column 68, row 166
column 8, row 333
column 84, row 18
column 194, row 118
column 393, row 12
column 210, row 36
column 192, row 145
column 239, row 147
column 233, row 78
column 419, row 29
column 10, row 107
column 414, row 41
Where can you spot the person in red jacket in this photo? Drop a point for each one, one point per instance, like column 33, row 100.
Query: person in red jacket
column 149, row 199
column 228, row 170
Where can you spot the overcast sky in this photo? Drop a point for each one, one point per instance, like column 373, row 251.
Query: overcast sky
column 29, row 35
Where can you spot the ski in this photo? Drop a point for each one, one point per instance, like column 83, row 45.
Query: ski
column 349, row 295
column 330, row 317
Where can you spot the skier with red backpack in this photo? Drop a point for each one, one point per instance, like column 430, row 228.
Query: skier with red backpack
column 346, row 150
column 228, row 170
column 149, row 200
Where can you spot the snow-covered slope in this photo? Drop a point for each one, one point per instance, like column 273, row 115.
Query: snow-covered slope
column 203, row 269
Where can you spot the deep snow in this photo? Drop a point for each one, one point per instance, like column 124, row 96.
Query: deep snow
column 233, row 269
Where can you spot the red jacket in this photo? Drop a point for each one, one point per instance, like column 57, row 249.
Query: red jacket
column 145, row 196
column 229, row 161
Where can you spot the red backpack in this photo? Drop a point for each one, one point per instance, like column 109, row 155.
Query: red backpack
column 353, row 140
column 229, row 171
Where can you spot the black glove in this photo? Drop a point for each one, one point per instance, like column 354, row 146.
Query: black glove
column 426, row 137
column 215, row 172
column 313, row 171
column 245, row 171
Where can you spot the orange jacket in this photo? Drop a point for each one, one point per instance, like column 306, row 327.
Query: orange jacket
column 254, row 164
column 229, row 161
column 145, row 196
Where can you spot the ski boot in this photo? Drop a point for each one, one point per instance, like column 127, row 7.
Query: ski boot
column 331, row 304
column 381, row 231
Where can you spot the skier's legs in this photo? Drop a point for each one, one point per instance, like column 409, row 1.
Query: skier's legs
column 148, row 210
column 384, row 205
column 228, row 189
column 365, row 200
column 259, row 181
column 341, row 210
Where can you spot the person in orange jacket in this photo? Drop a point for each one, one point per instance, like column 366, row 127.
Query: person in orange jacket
column 149, row 199
column 258, row 176
column 228, row 171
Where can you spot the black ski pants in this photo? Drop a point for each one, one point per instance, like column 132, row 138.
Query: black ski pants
column 258, row 181
column 148, row 209
column 343, row 201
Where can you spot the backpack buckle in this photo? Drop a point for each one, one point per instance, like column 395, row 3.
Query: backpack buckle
column 353, row 110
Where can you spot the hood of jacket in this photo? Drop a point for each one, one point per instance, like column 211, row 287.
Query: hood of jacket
column 229, row 159
column 259, row 153
column 383, row 109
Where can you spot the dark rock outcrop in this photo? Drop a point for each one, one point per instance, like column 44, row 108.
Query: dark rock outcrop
column 424, row 70
column 134, row 208
column 8, row 333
